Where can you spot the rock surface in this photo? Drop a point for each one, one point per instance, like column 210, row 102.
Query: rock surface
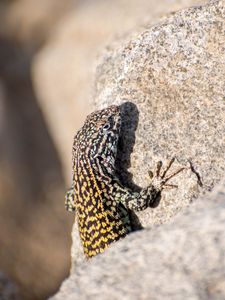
column 63, row 71
column 174, row 72
column 181, row 260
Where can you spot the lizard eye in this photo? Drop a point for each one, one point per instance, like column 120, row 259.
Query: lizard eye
column 106, row 126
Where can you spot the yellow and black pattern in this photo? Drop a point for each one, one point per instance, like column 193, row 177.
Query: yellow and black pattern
column 100, row 202
column 94, row 152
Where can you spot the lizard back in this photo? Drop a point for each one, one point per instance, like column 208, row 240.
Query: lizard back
column 101, row 219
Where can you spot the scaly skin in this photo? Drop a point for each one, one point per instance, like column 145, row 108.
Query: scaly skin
column 99, row 200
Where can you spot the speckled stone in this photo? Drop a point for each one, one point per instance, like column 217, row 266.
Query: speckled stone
column 181, row 260
column 174, row 72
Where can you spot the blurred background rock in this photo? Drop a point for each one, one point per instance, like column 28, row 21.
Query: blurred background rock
column 48, row 51
column 34, row 228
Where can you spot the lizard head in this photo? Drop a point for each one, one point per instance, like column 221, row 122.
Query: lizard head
column 102, row 130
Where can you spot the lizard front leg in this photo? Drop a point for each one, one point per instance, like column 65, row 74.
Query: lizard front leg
column 70, row 200
column 140, row 201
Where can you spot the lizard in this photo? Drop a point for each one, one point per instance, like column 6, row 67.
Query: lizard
column 100, row 202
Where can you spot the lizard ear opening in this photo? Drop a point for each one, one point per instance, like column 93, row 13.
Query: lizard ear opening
column 106, row 127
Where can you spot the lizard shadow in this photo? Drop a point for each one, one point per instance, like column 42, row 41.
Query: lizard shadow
column 130, row 118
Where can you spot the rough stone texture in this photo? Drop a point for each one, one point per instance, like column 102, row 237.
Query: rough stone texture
column 63, row 70
column 181, row 260
column 8, row 290
column 175, row 74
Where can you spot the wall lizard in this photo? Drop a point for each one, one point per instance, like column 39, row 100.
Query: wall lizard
column 100, row 201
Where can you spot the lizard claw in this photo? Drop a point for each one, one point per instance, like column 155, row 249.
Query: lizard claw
column 160, row 180
column 150, row 174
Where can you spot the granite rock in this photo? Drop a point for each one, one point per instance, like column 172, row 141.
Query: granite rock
column 173, row 73
column 181, row 260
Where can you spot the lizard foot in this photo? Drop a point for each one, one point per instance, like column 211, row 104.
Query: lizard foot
column 158, row 180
